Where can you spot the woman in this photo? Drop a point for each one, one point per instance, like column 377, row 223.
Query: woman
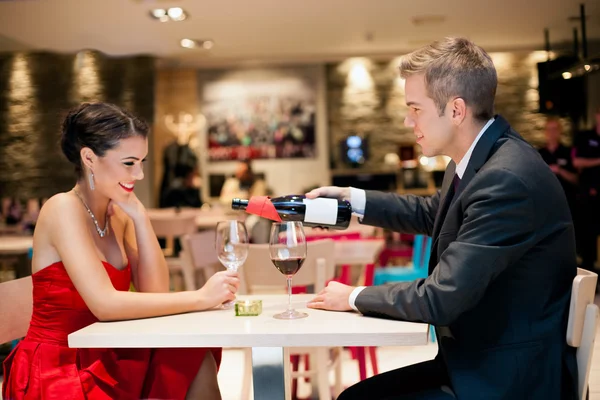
column 243, row 184
column 89, row 244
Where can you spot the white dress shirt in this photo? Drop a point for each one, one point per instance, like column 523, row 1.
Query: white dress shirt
column 358, row 197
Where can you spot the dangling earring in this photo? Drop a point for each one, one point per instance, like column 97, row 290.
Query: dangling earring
column 91, row 180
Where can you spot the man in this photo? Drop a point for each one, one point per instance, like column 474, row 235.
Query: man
column 587, row 160
column 559, row 158
column 503, row 252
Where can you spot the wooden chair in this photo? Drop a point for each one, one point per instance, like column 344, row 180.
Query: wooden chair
column 171, row 227
column 583, row 322
column 200, row 256
column 261, row 276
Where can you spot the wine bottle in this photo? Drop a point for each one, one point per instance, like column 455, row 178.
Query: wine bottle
column 320, row 212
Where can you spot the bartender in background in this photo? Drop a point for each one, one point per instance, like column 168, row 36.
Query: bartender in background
column 559, row 158
column 587, row 161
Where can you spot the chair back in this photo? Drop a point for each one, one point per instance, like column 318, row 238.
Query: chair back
column 175, row 225
column 261, row 276
column 199, row 251
column 171, row 226
column 16, row 304
column 421, row 251
column 582, row 325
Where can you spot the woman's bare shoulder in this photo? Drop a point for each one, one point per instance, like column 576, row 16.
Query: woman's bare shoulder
column 57, row 213
column 60, row 210
column 59, row 206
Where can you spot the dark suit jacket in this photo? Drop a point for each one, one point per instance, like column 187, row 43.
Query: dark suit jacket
column 500, row 274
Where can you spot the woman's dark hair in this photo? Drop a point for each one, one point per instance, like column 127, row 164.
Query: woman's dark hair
column 99, row 126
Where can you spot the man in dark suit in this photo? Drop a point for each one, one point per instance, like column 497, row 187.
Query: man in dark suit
column 503, row 253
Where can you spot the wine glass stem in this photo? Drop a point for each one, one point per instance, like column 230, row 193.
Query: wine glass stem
column 289, row 286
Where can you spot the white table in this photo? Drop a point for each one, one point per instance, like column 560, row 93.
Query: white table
column 11, row 245
column 205, row 219
column 364, row 251
column 17, row 247
column 267, row 336
column 355, row 228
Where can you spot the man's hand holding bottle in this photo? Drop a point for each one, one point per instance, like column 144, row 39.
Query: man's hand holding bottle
column 333, row 192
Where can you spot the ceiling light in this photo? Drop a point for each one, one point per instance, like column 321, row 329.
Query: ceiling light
column 176, row 13
column 567, row 75
column 195, row 43
column 158, row 13
column 170, row 14
column 188, row 43
column 587, row 67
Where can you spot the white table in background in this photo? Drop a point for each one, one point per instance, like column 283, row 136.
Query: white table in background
column 14, row 245
column 205, row 219
column 364, row 251
column 17, row 247
column 267, row 336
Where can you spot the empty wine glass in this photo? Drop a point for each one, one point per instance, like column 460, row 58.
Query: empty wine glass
column 232, row 247
column 287, row 248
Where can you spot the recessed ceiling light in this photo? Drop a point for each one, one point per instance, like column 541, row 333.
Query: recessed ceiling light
column 169, row 14
column 158, row 13
column 188, row 43
column 176, row 13
column 195, row 43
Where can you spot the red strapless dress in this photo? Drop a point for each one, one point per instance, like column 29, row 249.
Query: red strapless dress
column 42, row 366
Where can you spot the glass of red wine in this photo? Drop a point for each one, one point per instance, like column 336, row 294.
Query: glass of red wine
column 288, row 251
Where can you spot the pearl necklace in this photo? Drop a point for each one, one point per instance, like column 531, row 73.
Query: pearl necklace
column 101, row 232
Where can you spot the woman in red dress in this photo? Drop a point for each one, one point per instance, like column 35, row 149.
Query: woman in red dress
column 89, row 244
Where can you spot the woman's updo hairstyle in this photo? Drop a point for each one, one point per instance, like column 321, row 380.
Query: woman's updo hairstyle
column 99, row 126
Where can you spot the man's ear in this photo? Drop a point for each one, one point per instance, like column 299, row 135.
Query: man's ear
column 458, row 110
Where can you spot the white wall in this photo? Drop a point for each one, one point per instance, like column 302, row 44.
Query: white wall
column 284, row 176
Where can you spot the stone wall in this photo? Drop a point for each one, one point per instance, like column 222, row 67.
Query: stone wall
column 366, row 97
column 37, row 89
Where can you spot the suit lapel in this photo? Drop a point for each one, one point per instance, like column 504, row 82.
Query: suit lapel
column 444, row 201
column 478, row 158
column 482, row 149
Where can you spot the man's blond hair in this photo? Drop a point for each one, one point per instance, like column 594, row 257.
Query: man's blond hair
column 455, row 67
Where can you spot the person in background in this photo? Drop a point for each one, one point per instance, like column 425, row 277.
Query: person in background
column 503, row 257
column 587, row 160
column 183, row 192
column 14, row 213
column 559, row 159
column 90, row 244
column 243, row 184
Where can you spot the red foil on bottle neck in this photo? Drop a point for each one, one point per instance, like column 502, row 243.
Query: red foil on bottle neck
column 262, row 206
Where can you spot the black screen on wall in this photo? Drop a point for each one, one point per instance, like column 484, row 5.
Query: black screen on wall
column 559, row 96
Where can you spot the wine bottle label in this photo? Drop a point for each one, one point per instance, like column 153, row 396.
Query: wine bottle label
column 321, row 211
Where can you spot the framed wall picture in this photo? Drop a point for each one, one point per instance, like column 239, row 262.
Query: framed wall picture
column 254, row 114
